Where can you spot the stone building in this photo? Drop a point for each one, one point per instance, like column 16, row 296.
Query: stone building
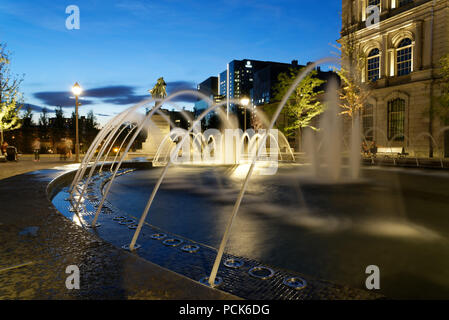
column 401, row 65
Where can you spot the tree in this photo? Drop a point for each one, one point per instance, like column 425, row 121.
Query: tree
column 43, row 119
column 58, row 128
column 59, row 119
column 302, row 106
column 353, row 93
column 213, row 122
column 72, row 125
column 91, row 121
column 26, row 132
column 89, row 129
column 27, row 118
column 10, row 97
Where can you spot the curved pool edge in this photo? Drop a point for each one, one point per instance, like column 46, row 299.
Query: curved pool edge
column 181, row 264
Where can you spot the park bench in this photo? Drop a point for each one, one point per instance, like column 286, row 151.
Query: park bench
column 392, row 151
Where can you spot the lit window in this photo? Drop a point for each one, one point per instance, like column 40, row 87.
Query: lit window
column 404, row 57
column 373, row 65
column 396, row 119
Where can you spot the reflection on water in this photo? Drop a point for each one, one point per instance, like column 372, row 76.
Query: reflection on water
column 396, row 220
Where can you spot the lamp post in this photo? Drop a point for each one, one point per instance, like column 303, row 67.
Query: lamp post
column 76, row 89
column 244, row 102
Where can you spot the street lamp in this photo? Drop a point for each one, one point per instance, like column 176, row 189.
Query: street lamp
column 76, row 89
column 244, row 102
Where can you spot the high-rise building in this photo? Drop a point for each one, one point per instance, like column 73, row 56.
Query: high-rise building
column 402, row 68
column 237, row 82
column 209, row 88
column 240, row 74
column 265, row 81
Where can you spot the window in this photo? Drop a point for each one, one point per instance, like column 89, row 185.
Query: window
column 369, row 3
column 404, row 57
column 373, row 65
column 374, row 3
column 368, row 122
column 396, row 119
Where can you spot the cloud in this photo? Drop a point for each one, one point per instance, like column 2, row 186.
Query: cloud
column 59, row 98
column 130, row 99
column 33, row 107
column 117, row 95
column 108, row 92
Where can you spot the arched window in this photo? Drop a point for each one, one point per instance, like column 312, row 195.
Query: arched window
column 404, row 57
column 396, row 119
column 373, row 65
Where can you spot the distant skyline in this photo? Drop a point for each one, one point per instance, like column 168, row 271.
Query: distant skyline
column 122, row 47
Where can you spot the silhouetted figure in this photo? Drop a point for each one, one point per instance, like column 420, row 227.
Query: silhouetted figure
column 69, row 146
column 62, row 149
column 36, row 149
column 373, row 148
column 4, row 146
column 365, row 148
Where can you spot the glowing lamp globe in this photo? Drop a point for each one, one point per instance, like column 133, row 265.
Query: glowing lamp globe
column 76, row 89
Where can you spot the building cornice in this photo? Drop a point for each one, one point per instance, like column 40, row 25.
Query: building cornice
column 418, row 12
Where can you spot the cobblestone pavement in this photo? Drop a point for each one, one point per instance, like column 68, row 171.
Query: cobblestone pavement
column 38, row 243
column 26, row 164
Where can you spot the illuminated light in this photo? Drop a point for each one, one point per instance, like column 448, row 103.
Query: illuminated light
column 399, row 229
column 244, row 101
column 76, row 89
column 116, row 150
column 260, row 168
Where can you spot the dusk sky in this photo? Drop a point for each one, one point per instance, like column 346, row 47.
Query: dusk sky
column 122, row 47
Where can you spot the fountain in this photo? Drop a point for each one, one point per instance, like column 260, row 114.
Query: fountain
column 256, row 164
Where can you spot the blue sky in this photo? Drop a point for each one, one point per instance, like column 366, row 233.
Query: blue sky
column 122, row 47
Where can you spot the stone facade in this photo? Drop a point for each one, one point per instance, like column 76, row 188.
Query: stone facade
column 418, row 31
column 158, row 129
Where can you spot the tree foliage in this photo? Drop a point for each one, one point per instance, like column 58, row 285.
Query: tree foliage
column 43, row 118
column 27, row 117
column 353, row 92
column 59, row 119
column 10, row 96
column 302, row 106
column 91, row 121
